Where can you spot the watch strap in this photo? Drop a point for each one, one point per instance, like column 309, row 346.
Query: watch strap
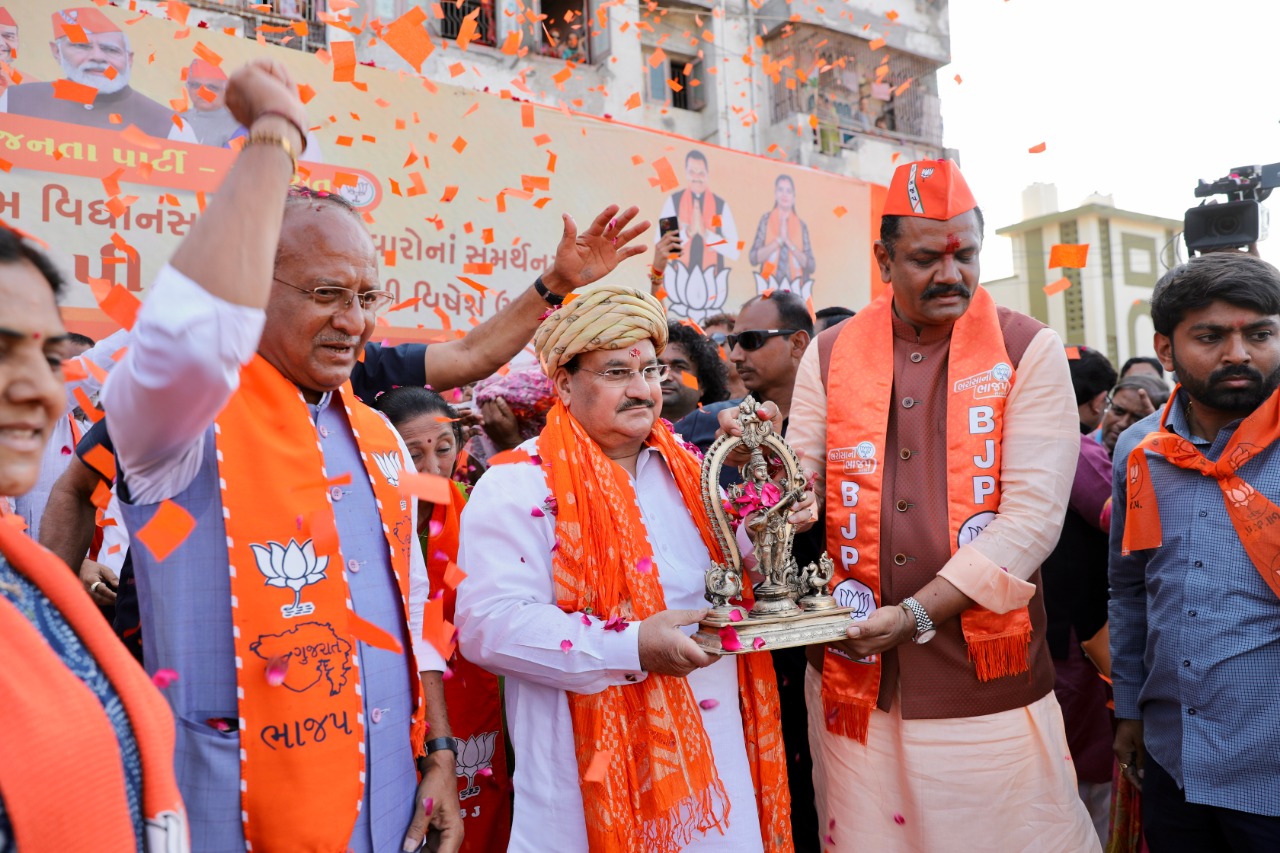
column 553, row 299
column 438, row 743
column 923, row 623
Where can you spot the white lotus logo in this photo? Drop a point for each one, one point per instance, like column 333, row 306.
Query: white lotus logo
column 695, row 294
column 390, row 465
column 474, row 754
column 291, row 566
column 777, row 283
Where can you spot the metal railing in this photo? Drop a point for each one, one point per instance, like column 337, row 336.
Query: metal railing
column 455, row 14
column 273, row 20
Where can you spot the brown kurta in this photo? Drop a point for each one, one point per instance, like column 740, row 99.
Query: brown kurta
column 938, row 680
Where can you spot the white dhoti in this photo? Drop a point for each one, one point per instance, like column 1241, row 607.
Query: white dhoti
column 999, row 783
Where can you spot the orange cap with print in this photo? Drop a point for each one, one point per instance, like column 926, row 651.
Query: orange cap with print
column 6, row 20
column 932, row 189
column 88, row 18
column 207, row 70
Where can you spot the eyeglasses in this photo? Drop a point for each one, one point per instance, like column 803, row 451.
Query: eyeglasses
column 1122, row 414
column 339, row 299
column 624, row 375
column 719, row 338
column 753, row 340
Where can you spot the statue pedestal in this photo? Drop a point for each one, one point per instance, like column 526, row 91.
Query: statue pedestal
column 802, row 628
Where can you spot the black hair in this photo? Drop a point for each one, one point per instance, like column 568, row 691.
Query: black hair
column 825, row 318
column 891, row 229
column 14, row 249
column 721, row 319
column 1091, row 374
column 407, row 402
column 1143, row 359
column 1238, row 279
column 695, row 154
column 793, row 311
column 82, row 340
column 1157, row 390
column 712, row 375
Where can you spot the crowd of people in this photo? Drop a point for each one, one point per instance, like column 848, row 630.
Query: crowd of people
column 372, row 598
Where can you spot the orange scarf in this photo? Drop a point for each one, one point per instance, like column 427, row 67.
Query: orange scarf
column 292, row 610
column 661, row 789
column 706, row 213
column 795, row 237
column 1253, row 516
column 61, row 780
column 980, row 378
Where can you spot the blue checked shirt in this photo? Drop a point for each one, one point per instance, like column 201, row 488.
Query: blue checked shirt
column 1195, row 631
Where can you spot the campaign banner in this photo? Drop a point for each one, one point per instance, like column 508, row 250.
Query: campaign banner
column 114, row 134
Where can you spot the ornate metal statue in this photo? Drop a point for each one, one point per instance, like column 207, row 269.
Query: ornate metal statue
column 792, row 605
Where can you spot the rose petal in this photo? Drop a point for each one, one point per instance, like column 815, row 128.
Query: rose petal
column 433, row 528
column 729, row 639
column 537, row 513
column 447, row 674
column 709, row 704
column 899, row 819
column 428, row 804
column 757, row 643
column 485, row 771
column 645, row 564
column 164, row 677
column 586, row 620
column 565, row 645
column 277, row 669
column 735, row 615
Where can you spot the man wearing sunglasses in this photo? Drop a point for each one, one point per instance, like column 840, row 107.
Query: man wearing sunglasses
column 273, row 549
column 944, row 431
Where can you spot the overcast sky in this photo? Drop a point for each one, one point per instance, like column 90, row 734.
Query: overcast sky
column 1135, row 98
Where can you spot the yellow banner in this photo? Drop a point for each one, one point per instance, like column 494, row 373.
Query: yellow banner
column 462, row 190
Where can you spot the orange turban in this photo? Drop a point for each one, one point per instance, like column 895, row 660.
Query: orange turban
column 932, row 189
column 88, row 18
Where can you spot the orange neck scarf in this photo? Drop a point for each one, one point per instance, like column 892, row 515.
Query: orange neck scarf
column 292, row 611
column 661, row 789
column 795, row 237
column 707, row 214
column 979, row 379
column 1252, row 514
column 56, row 741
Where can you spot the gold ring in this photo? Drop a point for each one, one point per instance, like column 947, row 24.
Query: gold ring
column 1124, row 768
column 93, row 587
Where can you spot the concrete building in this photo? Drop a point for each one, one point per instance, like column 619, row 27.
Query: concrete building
column 1107, row 305
column 842, row 88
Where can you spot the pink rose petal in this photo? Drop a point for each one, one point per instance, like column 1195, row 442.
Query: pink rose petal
column 729, row 639
column 485, row 771
column 586, row 620
column 537, row 513
column 447, row 674
column 433, row 528
column 709, row 704
column 164, row 677
column 428, row 804
column 645, row 564
column 565, row 645
column 277, row 668
column 735, row 615
column 899, row 819
column 757, row 643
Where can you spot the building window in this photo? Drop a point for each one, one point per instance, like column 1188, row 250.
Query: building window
column 481, row 11
column 572, row 30
column 677, row 80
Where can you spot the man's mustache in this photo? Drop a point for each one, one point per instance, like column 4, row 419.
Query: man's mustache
column 633, row 403
column 1235, row 371
column 934, row 291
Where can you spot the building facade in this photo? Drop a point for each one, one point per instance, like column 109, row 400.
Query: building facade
column 1107, row 306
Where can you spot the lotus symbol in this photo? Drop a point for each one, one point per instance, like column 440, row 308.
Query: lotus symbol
column 776, row 283
column 474, row 754
column 390, row 465
column 695, row 294
column 293, row 566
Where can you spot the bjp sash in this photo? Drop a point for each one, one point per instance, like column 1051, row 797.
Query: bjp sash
column 301, row 722
column 660, row 789
column 706, row 212
column 1255, row 518
column 56, row 740
column 795, row 236
column 979, row 379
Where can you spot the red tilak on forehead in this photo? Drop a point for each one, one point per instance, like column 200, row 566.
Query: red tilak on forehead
column 953, row 243
column 634, row 352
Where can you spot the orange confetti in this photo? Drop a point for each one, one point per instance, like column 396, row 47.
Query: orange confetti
column 599, row 765
column 633, row 102
column 371, row 635
column 1070, row 255
column 344, row 61
column 437, row 630
column 207, row 54
column 526, row 115
column 121, row 305
column 876, row 44
column 453, row 576
column 459, row 144
column 1057, row 286
column 666, row 180
column 408, row 38
column 75, row 33
column 167, row 529
column 1073, row 353
column 428, row 487
column 840, row 211
column 68, row 90
column 449, row 194
column 1037, row 149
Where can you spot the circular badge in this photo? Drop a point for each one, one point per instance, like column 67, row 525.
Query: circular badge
column 865, row 450
column 855, row 594
column 1002, row 372
column 972, row 526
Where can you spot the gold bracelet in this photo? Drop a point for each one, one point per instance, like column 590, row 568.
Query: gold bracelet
column 259, row 137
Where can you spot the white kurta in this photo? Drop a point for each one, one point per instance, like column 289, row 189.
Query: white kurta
column 508, row 623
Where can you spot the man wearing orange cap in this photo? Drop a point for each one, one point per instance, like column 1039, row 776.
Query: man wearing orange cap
column 209, row 117
column 8, row 50
column 949, row 434
column 95, row 52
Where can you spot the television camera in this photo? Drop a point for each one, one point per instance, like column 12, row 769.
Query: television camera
column 1240, row 220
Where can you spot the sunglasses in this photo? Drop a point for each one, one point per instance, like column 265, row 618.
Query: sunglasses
column 753, row 340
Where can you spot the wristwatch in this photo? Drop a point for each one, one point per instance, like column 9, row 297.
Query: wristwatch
column 555, row 300
column 924, row 625
column 439, row 743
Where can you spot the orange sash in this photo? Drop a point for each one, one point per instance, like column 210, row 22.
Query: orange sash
column 795, row 237
column 56, row 741
column 1252, row 514
column 707, row 214
column 304, row 736
column 660, row 789
column 980, row 378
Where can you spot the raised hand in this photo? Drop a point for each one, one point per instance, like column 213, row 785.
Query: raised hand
column 582, row 258
column 264, row 86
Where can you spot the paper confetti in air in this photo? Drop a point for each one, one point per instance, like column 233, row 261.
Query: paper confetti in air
column 598, row 766
column 1074, row 256
column 167, row 529
column 1057, row 286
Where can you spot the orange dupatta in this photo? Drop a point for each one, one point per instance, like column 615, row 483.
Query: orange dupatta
column 706, row 213
column 56, row 741
column 1253, row 516
column 795, row 237
column 291, row 608
column 979, row 379
column 660, row 788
